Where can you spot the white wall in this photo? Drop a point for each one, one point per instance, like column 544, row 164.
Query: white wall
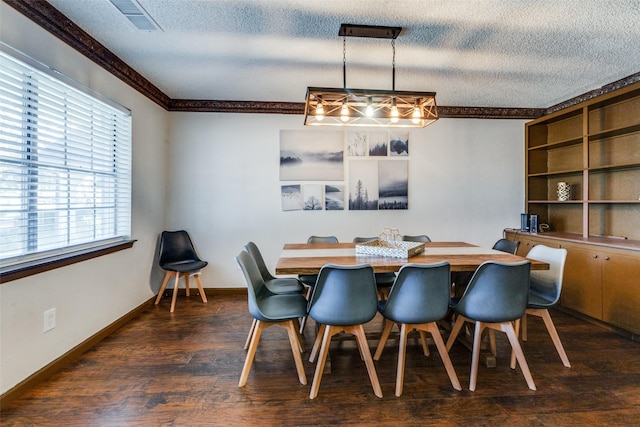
column 90, row 295
column 465, row 184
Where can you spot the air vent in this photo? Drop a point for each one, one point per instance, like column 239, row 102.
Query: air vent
column 135, row 13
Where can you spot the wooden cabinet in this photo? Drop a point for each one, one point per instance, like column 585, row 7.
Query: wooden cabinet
column 595, row 148
column 600, row 280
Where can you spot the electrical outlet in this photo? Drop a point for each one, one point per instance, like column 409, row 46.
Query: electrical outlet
column 49, row 319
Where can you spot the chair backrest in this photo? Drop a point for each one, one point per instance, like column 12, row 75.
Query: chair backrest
column 418, row 238
column 257, row 257
column 506, row 245
column 363, row 239
column 344, row 295
column 322, row 239
column 498, row 292
column 420, row 294
column 548, row 283
column 176, row 246
column 256, row 289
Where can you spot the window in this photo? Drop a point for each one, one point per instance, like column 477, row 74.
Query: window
column 65, row 165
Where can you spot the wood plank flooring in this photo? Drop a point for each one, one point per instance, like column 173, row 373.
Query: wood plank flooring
column 183, row 368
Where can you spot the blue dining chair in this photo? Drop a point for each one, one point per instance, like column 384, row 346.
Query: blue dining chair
column 343, row 300
column 277, row 285
column 495, row 298
column 270, row 309
column 417, row 300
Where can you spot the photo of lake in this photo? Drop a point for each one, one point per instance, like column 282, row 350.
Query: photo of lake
column 311, row 155
column 393, row 183
column 334, row 197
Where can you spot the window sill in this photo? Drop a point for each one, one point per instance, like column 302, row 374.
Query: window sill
column 20, row 272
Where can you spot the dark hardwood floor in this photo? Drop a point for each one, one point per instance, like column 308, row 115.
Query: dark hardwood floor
column 183, row 369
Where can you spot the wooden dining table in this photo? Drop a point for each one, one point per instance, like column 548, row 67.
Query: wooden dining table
column 308, row 258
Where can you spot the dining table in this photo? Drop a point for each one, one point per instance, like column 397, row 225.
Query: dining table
column 309, row 258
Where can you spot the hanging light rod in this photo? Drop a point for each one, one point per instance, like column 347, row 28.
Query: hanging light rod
column 369, row 107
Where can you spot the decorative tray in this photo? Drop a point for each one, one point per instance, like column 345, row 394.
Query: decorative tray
column 389, row 249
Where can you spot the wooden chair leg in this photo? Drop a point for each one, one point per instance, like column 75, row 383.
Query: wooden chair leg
column 251, row 330
column 255, row 339
column 163, row 287
column 516, row 328
column 524, row 327
column 317, row 343
column 402, row 353
column 475, row 357
column 292, row 329
column 455, row 331
column 186, row 283
column 383, row 339
column 324, row 350
column 175, row 293
column 425, row 343
column 200, row 288
column 296, row 323
column 358, row 331
column 511, row 334
column 492, row 342
column 433, row 329
column 546, row 318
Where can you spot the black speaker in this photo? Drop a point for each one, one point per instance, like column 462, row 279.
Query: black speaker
column 524, row 222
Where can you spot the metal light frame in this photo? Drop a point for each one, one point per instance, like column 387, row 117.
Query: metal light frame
column 369, row 107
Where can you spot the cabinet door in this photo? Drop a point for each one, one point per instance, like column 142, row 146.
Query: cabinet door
column 582, row 284
column 621, row 291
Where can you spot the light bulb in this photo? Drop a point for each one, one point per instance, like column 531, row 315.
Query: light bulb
column 369, row 111
column 344, row 112
column 416, row 117
column 319, row 111
column 395, row 115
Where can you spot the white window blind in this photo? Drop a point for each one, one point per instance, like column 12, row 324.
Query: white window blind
column 65, row 165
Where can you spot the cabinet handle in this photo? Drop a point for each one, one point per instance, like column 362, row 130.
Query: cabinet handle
column 606, row 258
column 595, row 256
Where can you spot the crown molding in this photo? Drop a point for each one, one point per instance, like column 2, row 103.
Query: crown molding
column 49, row 18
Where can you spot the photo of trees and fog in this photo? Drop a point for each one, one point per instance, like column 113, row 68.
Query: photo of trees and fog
column 291, row 197
column 393, row 182
column 311, row 155
column 312, row 197
column 334, row 197
column 399, row 144
column 363, row 185
column 378, row 143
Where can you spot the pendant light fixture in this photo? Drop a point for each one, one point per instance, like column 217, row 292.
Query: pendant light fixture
column 369, row 107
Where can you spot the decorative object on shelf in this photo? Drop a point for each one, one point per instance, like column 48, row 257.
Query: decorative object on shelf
column 564, row 191
column 369, row 107
column 533, row 223
column 395, row 249
column 524, row 222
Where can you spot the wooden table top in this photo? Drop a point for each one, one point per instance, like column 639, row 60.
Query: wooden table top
column 308, row 258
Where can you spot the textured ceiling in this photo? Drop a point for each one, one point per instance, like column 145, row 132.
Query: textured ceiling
column 489, row 53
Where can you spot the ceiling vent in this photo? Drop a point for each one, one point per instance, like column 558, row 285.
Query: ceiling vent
column 135, row 13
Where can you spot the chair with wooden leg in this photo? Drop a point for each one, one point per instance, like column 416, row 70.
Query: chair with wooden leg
column 271, row 309
column 178, row 258
column 495, row 298
column 418, row 238
column 343, row 300
column 277, row 285
column 546, row 287
column 417, row 300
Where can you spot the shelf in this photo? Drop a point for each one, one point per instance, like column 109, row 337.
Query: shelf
column 610, row 202
column 605, row 168
column 611, row 133
column 557, row 173
column 558, row 202
column 559, row 144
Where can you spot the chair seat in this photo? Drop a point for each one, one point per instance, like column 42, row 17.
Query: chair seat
column 278, row 307
column 184, row 266
column 284, row 285
column 385, row 279
column 536, row 301
column 308, row 279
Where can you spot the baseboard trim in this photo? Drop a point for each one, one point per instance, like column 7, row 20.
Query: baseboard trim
column 70, row 356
